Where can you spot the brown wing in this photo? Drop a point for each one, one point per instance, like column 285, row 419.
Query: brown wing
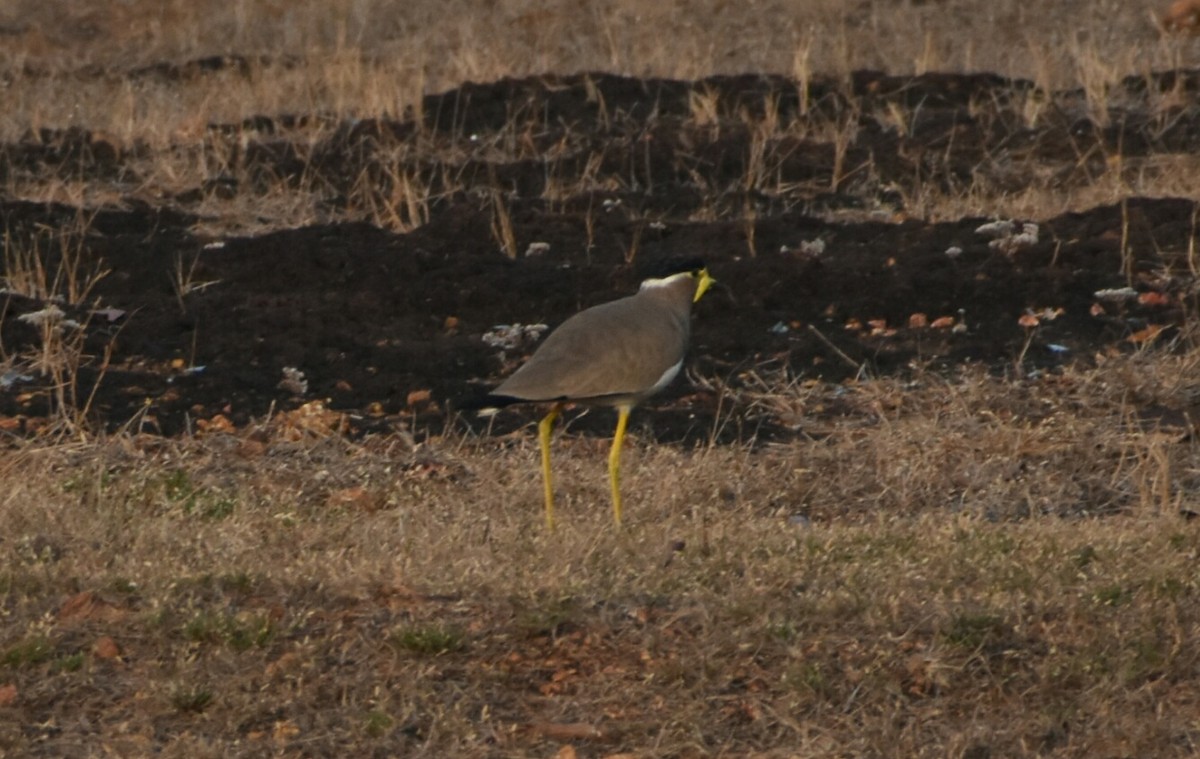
column 620, row 348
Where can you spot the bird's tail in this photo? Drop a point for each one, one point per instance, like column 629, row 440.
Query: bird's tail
column 487, row 405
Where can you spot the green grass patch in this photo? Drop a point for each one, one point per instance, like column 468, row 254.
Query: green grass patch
column 378, row 723
column 28, row 652
column 191, row 699
column 240, row 632
column 1113, row 595
column 179, row 489
column 427, row 640
column 69, row 663
column 974, row 629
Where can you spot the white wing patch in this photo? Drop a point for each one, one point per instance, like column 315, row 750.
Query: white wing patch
column 667, row 376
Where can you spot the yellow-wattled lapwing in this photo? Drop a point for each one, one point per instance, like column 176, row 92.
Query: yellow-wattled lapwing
column 615, row 354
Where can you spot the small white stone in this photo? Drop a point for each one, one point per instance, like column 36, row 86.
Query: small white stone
column 1116, row 294
column 51, row 313
column 998, row 228
column 293, row 381
column 511, row 336
column 812, row 247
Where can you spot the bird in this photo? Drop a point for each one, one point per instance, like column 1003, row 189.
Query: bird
column 615, row 354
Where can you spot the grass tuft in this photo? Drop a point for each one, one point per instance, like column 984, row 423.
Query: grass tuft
column 29, row 652
column 192, row 699
column 427, row 640
column 238, row 632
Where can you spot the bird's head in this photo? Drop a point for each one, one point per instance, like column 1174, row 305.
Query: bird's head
column 674, row 268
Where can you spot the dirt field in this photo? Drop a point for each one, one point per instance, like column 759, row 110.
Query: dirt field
column 926, row 487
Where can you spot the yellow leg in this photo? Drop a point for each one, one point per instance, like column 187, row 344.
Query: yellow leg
column 545, row 427
column 614, row 461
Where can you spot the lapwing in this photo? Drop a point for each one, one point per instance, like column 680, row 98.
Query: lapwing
column 615, row 354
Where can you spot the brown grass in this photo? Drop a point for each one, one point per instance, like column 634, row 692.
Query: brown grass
column 929, row 575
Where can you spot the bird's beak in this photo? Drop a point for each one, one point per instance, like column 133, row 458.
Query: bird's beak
column 706, row 281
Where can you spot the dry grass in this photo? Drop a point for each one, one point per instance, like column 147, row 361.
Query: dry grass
column 932, row 561
column 445, row 44
column 53, row 266
column 133, row 74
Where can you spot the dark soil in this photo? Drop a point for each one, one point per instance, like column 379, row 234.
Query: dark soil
column 373, row 317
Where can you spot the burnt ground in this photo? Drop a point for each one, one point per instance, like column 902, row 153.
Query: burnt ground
column 825, row 275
